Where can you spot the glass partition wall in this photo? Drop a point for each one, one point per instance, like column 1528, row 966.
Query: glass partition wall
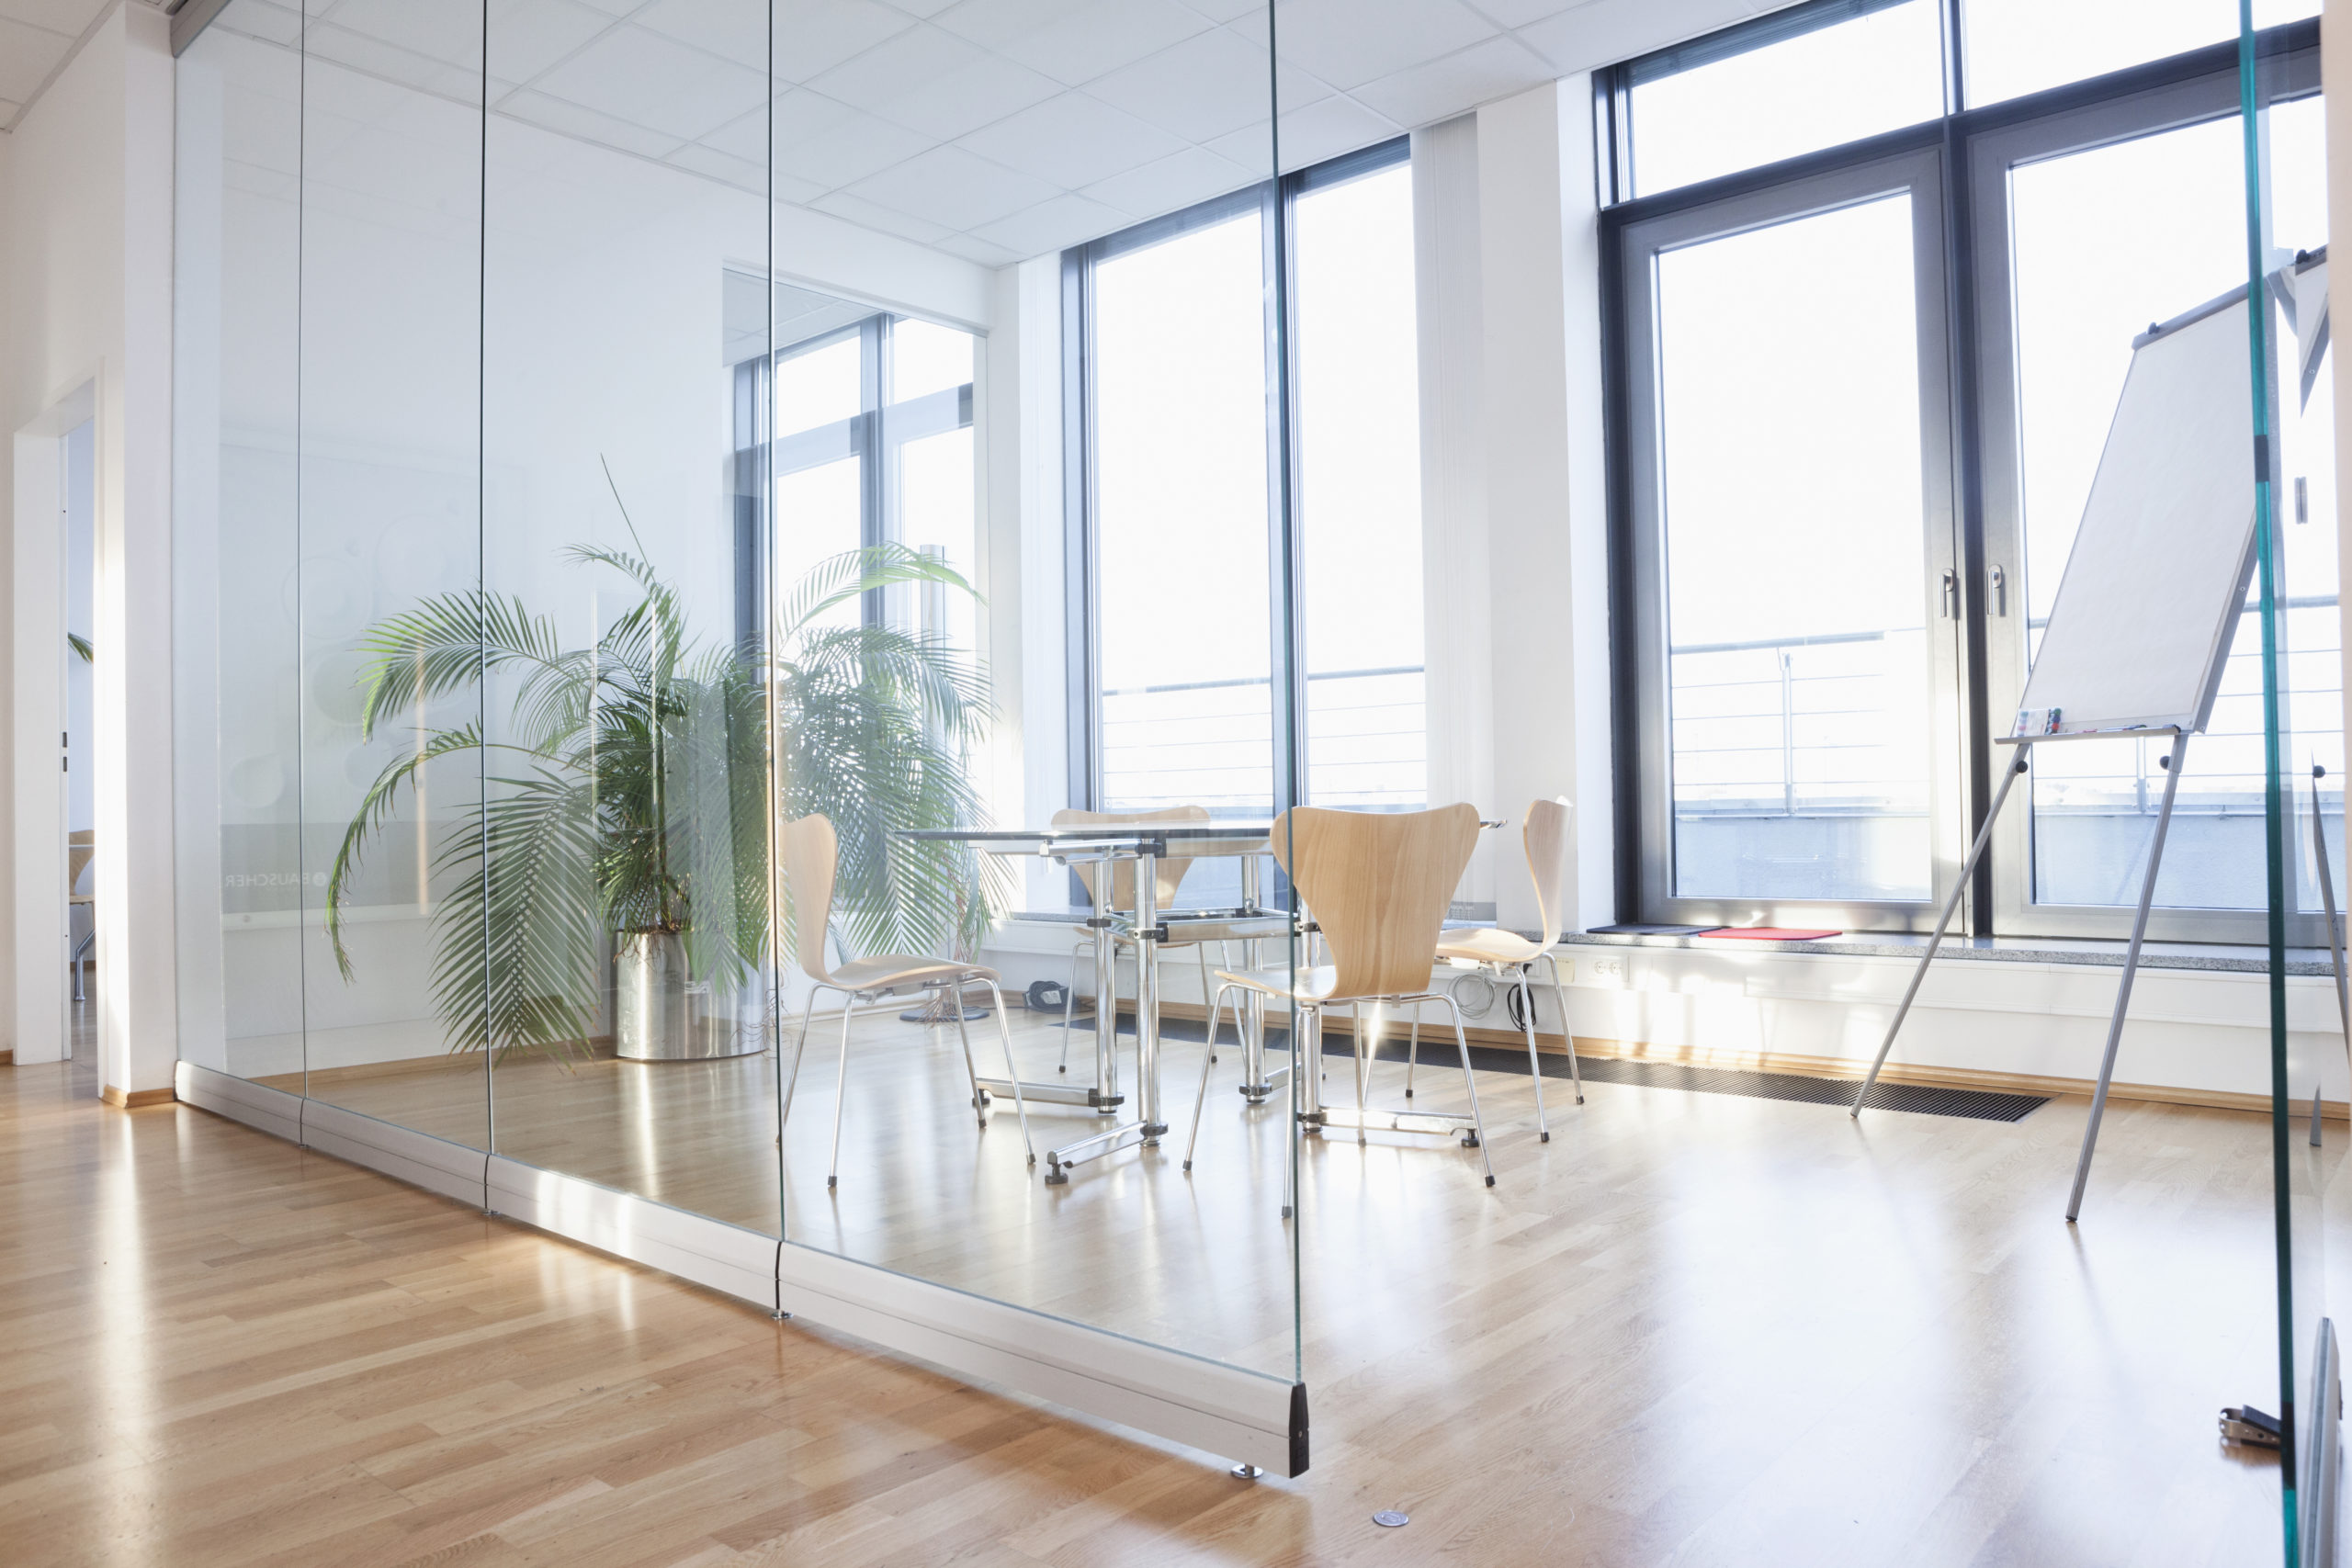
column 647, row 520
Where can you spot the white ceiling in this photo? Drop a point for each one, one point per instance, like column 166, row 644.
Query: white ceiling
column 36, row 38
column 992, row 128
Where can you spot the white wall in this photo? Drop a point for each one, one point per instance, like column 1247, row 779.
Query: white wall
column 87, row 258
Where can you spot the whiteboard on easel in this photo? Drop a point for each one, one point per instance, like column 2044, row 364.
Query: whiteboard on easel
column 2156, row 580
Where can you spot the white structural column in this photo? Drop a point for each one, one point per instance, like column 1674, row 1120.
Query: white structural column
column 1454, row 561
column 1514, row 483
column 138, row 1014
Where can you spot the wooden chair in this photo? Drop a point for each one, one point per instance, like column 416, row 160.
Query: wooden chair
column 80, row 846
column 1546, row 834
column 811, row 856
column 1379, row 885
column 1168, row 875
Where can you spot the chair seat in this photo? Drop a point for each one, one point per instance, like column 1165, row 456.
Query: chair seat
column 1489, row 946
column 892, row 970
column 1302, row 985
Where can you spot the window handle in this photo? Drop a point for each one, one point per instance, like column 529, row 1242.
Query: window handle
column 1949, row 600
column 2000, row 591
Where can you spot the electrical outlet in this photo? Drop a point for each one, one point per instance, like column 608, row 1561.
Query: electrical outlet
column 1608, row 968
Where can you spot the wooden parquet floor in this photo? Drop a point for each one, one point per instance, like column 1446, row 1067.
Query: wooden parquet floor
column 1691, row 1330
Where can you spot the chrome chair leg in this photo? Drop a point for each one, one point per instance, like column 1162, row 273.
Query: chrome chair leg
column 1363, row 1064
column 1413, row 1051
column 1201, row 956
column 792, row 1082
column 971, row 1072
column 1004, row 1038
column 1208, row 1060
column 841, row 1084
column 1462, row 1044
column 1568, row 1035
column 1070, row 1006
column 1534, row 1064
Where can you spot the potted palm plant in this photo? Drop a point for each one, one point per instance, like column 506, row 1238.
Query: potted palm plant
column 627, row 802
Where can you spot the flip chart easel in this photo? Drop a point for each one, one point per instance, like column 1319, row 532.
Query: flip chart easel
column 2154, row 589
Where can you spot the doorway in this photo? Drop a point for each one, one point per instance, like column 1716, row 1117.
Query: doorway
column 77, row 498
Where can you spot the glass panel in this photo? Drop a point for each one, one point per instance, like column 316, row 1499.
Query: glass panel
column 2022, row 46
column 1847, row 71
column 236, row 683
column 624, row 360
column 947, row 166
column 1796, row 605
column 389, row 526
column 1359, row 495
column 1177, row 369
column 2159, row 212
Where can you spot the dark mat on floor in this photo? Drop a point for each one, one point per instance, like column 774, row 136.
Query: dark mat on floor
column 1924, row 1099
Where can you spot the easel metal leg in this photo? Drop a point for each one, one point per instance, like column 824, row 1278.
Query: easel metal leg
column 1943, row 921
column 2131, row 971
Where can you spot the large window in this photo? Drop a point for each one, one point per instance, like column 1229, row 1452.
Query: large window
column 872, row 430
column 1861, row 393
column 1192, row 697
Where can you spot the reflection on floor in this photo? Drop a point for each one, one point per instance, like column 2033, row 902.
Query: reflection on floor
column 1693, row 1328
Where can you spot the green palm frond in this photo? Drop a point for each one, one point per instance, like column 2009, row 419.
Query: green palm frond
column 632, row 784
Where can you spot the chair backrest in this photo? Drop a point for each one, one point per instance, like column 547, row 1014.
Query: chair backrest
column 810, row 854
column 1546, row 834
column 1166, row 876
column 80, row 845
column 1379, row 883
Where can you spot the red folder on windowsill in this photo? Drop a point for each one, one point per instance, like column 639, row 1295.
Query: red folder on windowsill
column 1768, row 933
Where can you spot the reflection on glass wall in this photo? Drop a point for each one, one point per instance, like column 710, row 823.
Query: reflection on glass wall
column 236, row 737
column 665, row 551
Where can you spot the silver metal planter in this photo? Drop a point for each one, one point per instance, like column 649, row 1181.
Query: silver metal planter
column 663, row 1016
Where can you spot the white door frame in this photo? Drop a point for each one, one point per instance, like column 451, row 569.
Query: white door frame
column 44, row 926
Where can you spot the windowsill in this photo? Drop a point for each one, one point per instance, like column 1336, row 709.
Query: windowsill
column 2211, row 957
column 2217, row 957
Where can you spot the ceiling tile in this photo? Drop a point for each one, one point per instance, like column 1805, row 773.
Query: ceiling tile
column 992, row 23
column 555, row 114
column 924, row 8
column 1072, row 141
column 72, row 18
column 447, row 31
column 1443, row 88
column 261, row 20
column 1207, row 86
column 748, row 137
column 979, row 251
column 902, row 63
column 814, row 36
column 950, row 186
column 831, row 145
column 1520, row 13
column 1227, row 10
column 970, row 97
column 1177, row 181
column 732, row 29
column 27, row 57
column 1104, row 36
column 889, row 219
column 1054, row 224
column 648, row 80
column 526, row 36
column 1350, row 42
column 1321, row 131
column 724, row 168
column 1602, row 32
column 324, row 41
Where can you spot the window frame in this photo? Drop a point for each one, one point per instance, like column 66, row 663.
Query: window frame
column 1978, row 397
column 874, row 435
column 1275, row 201
column 1643, row 638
